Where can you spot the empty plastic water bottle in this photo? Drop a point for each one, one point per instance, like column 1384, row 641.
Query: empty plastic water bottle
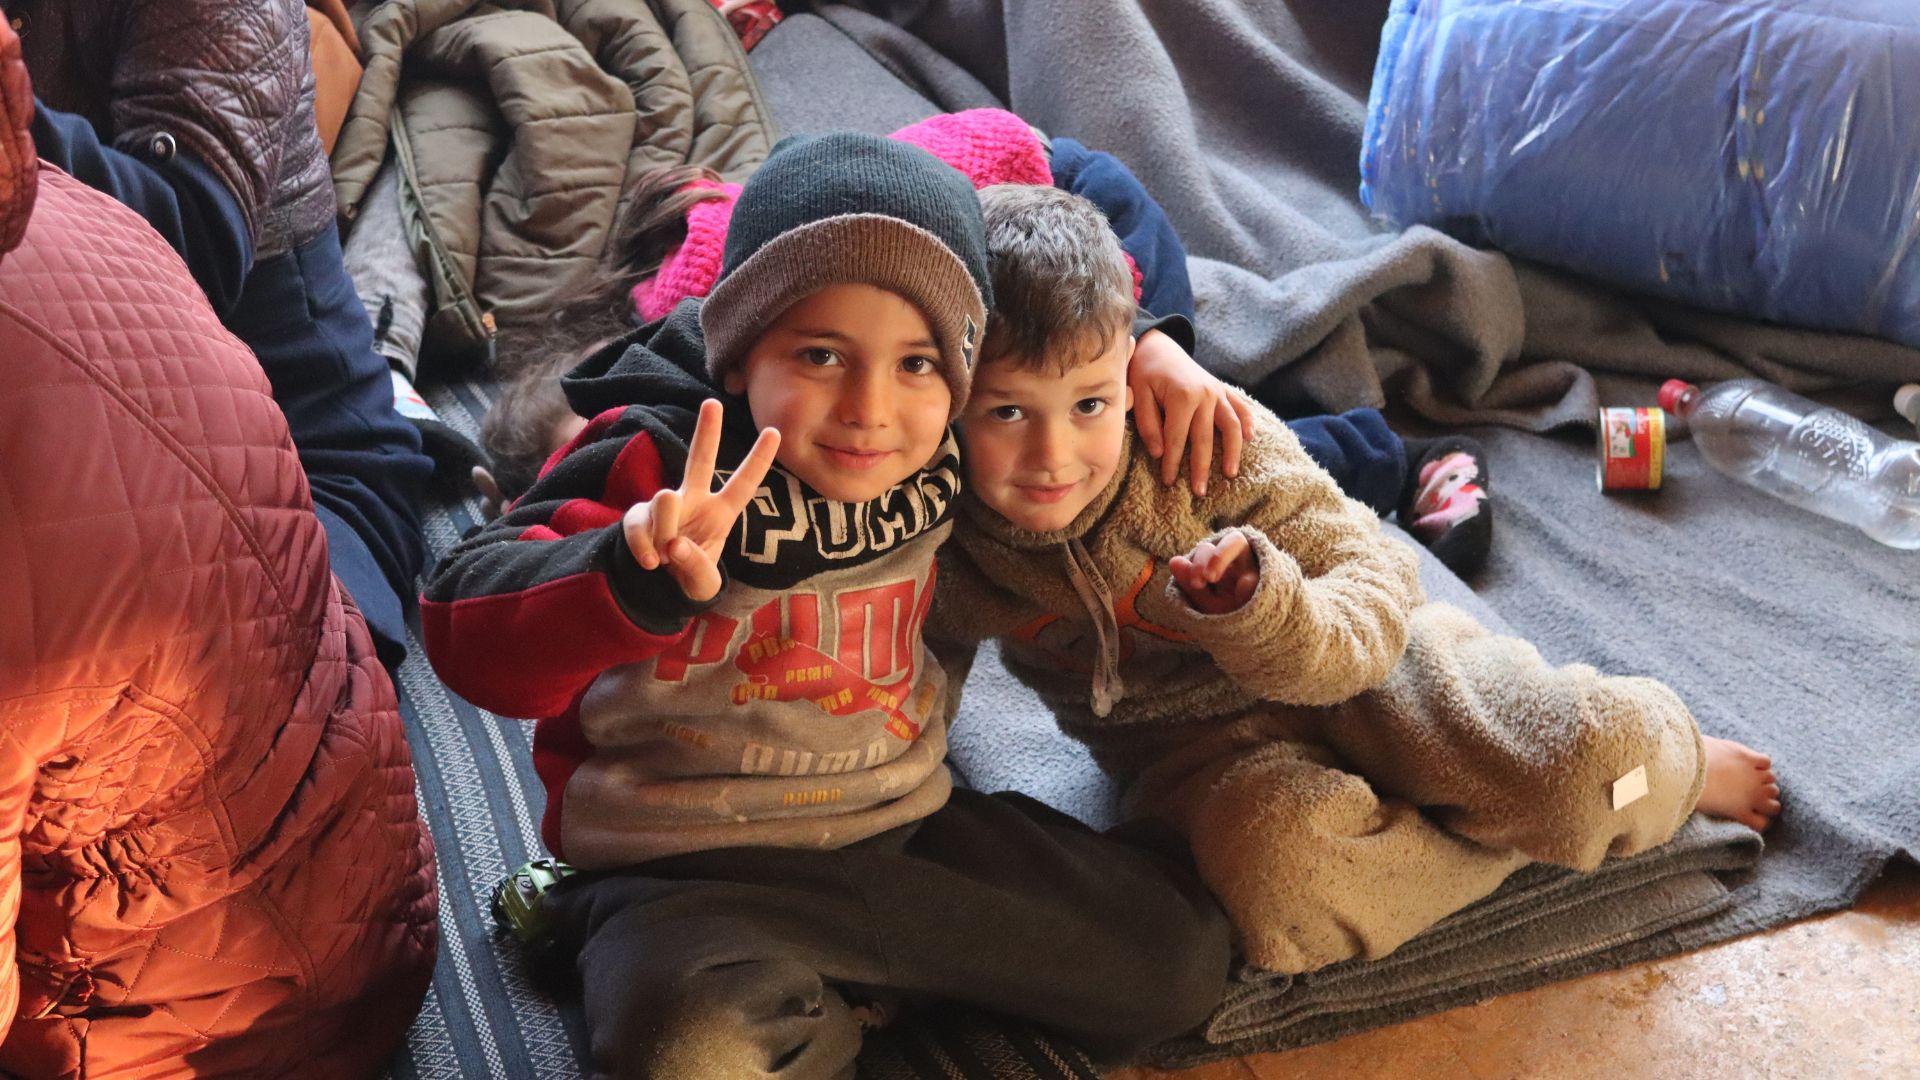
column 1816, row 458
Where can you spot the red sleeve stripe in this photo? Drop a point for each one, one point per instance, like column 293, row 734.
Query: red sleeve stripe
column 635, row 475
column 529, row 653
column 594, row 429
column 576, row 516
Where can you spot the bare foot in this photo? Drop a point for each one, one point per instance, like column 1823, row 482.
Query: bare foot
column 1740, row 784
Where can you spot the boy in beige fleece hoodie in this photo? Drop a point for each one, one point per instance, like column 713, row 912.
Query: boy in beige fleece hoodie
column 1256, row 665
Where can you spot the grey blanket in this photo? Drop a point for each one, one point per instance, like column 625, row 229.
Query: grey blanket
column 1244, row 120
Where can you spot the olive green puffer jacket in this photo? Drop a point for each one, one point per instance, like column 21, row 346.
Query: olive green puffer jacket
column 519, row 127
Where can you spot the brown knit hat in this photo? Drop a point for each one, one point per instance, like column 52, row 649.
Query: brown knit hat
column 853, row 209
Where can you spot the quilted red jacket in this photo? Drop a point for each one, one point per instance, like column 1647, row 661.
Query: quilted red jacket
column 211, row 862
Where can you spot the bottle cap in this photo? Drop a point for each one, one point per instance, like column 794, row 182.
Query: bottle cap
column 1670, row 392
column 1906, row 402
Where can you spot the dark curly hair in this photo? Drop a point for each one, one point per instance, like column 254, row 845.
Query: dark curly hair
column 517, row 433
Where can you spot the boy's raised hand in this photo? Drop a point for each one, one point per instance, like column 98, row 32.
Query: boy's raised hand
column 1218, row 576
column 684, row 528
column 1178, row 406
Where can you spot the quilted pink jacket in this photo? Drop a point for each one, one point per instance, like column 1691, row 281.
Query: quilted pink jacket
column 210, row 858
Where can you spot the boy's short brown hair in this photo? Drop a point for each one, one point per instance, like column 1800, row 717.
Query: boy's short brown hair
column 1061, row 286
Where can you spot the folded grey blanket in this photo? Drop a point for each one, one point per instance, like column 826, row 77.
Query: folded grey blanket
column 1544, row 924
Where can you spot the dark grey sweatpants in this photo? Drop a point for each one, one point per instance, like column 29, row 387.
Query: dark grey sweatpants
column 727, row 964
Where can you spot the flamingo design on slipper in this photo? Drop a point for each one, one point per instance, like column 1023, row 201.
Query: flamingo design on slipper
column 1447, row 495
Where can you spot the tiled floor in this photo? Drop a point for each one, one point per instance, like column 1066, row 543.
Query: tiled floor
column 1833, row 997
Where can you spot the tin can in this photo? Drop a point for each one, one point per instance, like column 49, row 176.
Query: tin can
column 1633, row 449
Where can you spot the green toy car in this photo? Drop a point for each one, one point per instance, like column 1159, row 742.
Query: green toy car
column 516, row 901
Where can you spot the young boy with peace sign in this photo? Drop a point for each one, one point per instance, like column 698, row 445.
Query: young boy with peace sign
column 740, row 731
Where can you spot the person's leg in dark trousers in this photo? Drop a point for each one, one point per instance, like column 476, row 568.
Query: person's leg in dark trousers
column 1360, row 452
column 1420, row 480
column 731, row 963
column 300, row 315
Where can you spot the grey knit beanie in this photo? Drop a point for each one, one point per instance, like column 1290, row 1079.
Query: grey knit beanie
column 853, row 209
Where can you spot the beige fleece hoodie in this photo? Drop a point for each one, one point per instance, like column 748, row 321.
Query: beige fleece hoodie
column 1349, row 765
column 1096, row 603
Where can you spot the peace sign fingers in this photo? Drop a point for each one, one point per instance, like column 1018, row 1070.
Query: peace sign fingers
column 666, row 520
column 684, row 528
column 702, row 451
column 745, row 481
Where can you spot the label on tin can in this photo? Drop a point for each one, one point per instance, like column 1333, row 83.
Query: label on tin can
column 1633, row 449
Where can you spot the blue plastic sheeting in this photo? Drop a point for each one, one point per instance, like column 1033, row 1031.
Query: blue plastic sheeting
column 1758, row 157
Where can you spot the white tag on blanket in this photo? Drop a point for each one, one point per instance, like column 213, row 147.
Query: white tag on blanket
column 1630, row 788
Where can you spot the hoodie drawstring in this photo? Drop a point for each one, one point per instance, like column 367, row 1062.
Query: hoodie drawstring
column 1107, row 687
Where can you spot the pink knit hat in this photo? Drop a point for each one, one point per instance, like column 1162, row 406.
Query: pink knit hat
column 691, row 268
column 990, row 146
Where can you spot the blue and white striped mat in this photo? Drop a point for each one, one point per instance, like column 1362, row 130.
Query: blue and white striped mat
column 485, row 1015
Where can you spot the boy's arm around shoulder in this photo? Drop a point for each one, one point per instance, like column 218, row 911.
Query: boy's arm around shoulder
column 522, row 615
column 1328, row 618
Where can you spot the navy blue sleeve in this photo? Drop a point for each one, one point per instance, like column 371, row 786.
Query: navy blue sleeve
column 180, row 197
column 1177, row 327
column 1360, row 452
column 1144, row 230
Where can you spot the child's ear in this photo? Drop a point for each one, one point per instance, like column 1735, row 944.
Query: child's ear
column 1129, row 407
column 734, row 382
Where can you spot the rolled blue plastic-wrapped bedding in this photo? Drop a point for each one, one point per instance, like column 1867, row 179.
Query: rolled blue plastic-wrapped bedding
column 1760, row 157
